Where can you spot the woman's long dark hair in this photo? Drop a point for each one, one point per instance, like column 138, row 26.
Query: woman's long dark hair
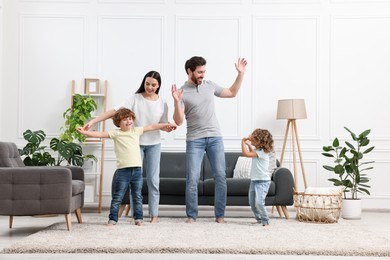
column 150, row 74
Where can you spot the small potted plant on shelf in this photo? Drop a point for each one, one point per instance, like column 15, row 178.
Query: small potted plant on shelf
column 350, row 169
column 77, row 115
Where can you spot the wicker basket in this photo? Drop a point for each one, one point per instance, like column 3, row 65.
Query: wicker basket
column 319, row 208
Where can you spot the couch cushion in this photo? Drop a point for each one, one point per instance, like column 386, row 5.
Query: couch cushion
column 77, row 187
column 238, row 187
column 176, row 186
column 230, row 158
column 9, row 155
column 235, row 187
column 173, row 165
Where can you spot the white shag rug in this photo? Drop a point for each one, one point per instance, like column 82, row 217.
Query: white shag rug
column 236, row 236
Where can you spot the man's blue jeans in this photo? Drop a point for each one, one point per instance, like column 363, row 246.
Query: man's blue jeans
column 257, row 192
column 127, row 177
column 195, row 149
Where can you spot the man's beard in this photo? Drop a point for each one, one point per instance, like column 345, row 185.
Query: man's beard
column 197, row 81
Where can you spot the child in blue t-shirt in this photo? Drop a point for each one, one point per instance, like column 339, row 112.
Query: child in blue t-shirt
column 263, row 144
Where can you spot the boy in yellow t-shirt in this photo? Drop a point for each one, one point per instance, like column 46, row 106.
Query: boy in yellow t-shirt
column 128, row 160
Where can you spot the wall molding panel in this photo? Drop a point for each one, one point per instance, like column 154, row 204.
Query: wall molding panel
column 36, row 33
column 363, row 32
column 267, row 43
column 230, row 28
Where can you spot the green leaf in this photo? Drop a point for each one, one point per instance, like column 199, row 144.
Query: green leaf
column 327, row 154
column 329, row 168
column 327, row 148
column 369, row 150
column 339, row 169
column 350, row 145
column 364, row 190
column 343, row 152
column 336, row 142
column 365, row 133
column 35, row 137
column 364, row 142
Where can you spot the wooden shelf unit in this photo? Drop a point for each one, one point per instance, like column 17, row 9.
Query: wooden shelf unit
column 101, row 100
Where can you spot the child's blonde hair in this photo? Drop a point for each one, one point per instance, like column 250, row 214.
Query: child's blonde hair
column 121, row 114
column 262, row 139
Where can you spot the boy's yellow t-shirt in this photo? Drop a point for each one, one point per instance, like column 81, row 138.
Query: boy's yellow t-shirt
column 126, row 147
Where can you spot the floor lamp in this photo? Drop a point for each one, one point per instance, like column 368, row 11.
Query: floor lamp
column 292, row 109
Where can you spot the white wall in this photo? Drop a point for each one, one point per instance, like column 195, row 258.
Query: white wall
column 1, row 58
column 332, row 53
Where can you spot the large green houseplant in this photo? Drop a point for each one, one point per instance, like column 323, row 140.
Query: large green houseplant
column 75, row 116
column 67, row 150
column 349, row 165
column 35, row 154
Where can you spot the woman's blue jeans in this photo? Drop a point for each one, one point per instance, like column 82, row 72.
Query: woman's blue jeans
column 151, row 155
column 127, row 177
column 195, row 149
column 257, row 192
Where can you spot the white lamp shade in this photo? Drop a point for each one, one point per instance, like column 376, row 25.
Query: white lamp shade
column 291, row 109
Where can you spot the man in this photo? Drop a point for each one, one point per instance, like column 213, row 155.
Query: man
column 195, row 100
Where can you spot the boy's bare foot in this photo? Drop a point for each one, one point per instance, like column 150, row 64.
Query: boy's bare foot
column 154, row 220
column 190, row 220
column 111, row 223
column 220, row 220
column 266, row 226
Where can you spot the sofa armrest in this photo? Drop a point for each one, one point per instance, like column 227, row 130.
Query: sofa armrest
column 284, row 183
column 35, row 190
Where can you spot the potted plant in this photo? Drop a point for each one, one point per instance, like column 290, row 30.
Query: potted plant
column 350, row 169
column 77, row 115
column 34, row 153
column 68, row 151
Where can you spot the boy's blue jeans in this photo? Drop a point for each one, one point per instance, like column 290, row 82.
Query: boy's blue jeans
column 257, row 192
column 127, row 177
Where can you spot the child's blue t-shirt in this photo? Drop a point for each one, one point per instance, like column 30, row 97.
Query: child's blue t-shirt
column 260, row 164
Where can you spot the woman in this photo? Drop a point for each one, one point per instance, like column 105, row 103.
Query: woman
column 149, row 108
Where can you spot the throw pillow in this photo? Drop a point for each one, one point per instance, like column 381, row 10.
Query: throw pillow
column 272, row 162
column 242, row 168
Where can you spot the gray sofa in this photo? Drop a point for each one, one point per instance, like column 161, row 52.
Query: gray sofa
column 173, row 182
column 38, row 190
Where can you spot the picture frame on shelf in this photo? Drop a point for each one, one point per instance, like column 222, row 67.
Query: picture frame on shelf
column 91, row 86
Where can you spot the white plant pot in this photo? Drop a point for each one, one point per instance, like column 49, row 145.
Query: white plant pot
column 351, row 209
column 88, row 165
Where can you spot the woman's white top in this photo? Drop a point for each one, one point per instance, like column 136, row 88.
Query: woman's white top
column 147, row 112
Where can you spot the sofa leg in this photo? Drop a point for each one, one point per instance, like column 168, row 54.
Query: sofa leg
column 78, row 215
column 121, row 209
column 68, row 221
column 285, row 212
column 279, row 209
column 127, row 209
column 11, row 219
